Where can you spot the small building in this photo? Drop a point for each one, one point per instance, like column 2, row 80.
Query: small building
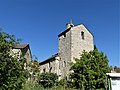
column 113, row 81
column 51, row 65
column 22, row 49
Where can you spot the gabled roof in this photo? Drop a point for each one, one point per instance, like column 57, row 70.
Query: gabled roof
column 64, row 32
column 20, row 46
column 86, row 28
column 71, row 27
column 49, row 59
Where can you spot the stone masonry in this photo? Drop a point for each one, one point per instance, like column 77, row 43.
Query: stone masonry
column 71, row 43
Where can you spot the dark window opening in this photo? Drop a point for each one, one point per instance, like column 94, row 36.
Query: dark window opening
column 59, row 64
column 66, row 78
column 82, row 35
column 50, row 70
column 49, row 64
column 64, row 64
column 44, row 70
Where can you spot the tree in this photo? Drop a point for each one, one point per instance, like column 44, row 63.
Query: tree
column 47, row 79
column 12, row 73
column 90, row 70
column 34, row 69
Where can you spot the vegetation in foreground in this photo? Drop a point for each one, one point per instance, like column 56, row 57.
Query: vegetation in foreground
column 89, row 71
column 12, row 73
column 32, row 85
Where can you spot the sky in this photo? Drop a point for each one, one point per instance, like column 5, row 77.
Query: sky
column 38, row 22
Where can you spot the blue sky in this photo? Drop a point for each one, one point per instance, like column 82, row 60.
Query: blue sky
column 38, row 22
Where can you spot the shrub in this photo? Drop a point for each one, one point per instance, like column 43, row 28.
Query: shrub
column 47, row 80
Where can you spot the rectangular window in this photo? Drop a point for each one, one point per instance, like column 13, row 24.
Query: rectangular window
column 49, row 64
column 82, row 35
column 64, row 64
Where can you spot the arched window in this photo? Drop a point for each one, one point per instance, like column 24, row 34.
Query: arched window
column 82, row 35
column 64, row 64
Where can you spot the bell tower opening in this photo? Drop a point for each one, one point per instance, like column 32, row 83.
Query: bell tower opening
column 82, row 35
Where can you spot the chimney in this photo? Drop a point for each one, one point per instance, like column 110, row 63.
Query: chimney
column 69, row 25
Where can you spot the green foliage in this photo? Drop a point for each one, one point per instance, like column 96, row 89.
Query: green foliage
column 33, row 70
column 34, row 67
column 65, row 83
column 62, row 82
column 32, row 85
column 47, row 80
column 61, row 88
column 90, row 70
column 12, row 74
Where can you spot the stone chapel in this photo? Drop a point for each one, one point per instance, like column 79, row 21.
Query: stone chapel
column 71, row 43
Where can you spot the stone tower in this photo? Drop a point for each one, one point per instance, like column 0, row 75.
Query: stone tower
column 71, row 43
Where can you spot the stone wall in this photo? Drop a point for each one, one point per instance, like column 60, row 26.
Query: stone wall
column 78, row 44
column 64, row 52
column 70, row 46
column 51, row 66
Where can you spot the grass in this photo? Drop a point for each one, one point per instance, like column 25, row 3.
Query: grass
column 32, row 85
